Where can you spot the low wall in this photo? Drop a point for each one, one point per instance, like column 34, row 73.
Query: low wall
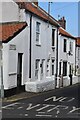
column 40, row 86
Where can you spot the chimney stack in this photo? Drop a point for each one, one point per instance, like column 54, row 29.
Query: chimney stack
column 62, row 22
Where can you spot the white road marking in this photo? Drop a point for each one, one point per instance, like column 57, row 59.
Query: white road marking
column 74, row 109
column 58, row 108
column 19, row 107
column 31, row 107
column 62, row 99
column 46, row 106
column 43, row 115
column 41, row 112
column 58, row 112
column 26, row 114
column 71, row 100
column 54, row 98
column 13, row 104
column 53, row 109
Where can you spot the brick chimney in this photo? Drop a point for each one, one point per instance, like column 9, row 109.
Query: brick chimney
column 62, row 22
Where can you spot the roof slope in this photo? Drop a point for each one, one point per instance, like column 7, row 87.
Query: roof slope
column 65, row 33
column 78, row 41
column 36, row 10
column 10, row 30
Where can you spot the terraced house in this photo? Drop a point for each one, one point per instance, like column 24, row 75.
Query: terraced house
column 33, row 44
column 78, row 58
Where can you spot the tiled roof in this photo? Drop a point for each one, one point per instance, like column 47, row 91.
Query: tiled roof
column 78, row 41
column 10, row 30
column 36, row 10
column 64, row 33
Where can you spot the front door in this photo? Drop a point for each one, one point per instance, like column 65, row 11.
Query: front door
column 19, row 71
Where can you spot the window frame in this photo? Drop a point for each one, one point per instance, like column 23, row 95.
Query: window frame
column 48, row 68
column 71, row 46
column 65, row 69
column 53, row 38
column 65, row 45
column 38, row 42
column 37, row 69
column 52, row 64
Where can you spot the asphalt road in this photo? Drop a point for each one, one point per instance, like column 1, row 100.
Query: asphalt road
column 59, row 103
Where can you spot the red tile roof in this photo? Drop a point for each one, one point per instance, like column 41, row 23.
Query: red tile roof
column 78, row 41
column 42, row 14
column 10, row 30
column 36, row 10
column 64, row 33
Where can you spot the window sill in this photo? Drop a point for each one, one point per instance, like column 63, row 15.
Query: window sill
column 53, row 47
column 38, row 44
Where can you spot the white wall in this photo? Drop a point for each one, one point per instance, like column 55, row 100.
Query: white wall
column 10, row 12
column 44, row 51
column 10, row 60
column 65, row 57
column 78, row 60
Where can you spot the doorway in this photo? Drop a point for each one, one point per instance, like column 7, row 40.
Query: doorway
column 19, row 72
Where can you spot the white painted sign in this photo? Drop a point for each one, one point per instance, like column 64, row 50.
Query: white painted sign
column 12, row 47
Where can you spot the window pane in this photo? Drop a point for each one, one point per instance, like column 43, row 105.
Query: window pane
column 71, row 46
column 65, row 45
column 64, row 68
column 52, row 69
column 48, row 67
column 38, row 27
column 53, row 37
column 36, row 68
column 37, row 37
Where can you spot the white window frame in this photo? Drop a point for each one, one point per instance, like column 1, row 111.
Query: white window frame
column 52, row 61
column 48, row 68
column 42, row 68
column 37, row 62
column 38, row 33
column 71, row 46
column 64, row 47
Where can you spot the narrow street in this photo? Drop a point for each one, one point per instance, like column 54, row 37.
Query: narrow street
column 59, row 103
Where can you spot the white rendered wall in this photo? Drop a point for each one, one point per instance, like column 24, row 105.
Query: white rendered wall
column 10, row 12
column 10, row 60
column 63, row 56
column 43, row 51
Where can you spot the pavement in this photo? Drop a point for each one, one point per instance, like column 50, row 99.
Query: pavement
column 25, row 94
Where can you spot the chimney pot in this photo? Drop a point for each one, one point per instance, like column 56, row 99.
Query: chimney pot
column 62, row 22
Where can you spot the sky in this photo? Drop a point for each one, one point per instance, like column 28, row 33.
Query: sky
column 67, row 9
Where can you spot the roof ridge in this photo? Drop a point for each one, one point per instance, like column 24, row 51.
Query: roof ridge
column 66, row 31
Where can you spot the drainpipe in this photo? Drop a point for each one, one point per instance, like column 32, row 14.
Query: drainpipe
column 56, row 74
column 30, row 46
column 1, row 72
